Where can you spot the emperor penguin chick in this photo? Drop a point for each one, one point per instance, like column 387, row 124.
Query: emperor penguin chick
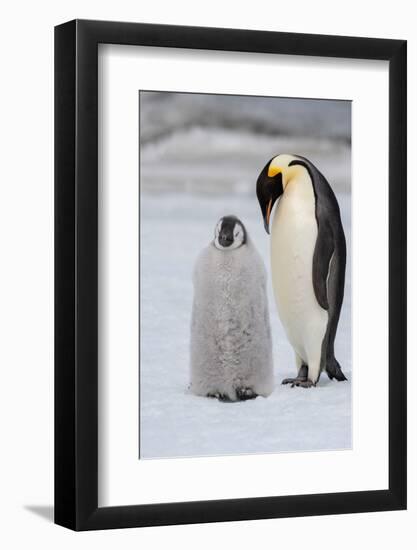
column 231, row 347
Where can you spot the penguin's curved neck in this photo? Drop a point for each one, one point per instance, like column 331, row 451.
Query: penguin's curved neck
column 296, row 176
column 298, row 198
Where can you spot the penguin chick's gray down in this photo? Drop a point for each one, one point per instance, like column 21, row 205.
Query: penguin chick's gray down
column 231, row 348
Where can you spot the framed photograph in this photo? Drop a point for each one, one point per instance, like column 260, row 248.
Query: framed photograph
column 230, row 284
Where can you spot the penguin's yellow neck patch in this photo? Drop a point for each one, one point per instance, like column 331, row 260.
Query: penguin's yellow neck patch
column 273, row 170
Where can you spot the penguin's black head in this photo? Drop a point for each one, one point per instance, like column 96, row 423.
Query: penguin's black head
column 230, row 233
column 269, row 188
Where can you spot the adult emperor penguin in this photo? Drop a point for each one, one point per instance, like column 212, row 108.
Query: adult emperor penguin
column 308, row 261
column 231, row 346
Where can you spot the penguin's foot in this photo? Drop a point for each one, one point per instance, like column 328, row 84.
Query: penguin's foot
column 219, row 396
column 301, row 377
column 243, row 394
column 302, row 382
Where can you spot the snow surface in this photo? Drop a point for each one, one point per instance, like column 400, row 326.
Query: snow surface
column 175, row 423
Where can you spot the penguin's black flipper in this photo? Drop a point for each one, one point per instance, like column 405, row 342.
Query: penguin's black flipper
column 330, row 239
column 323, row 253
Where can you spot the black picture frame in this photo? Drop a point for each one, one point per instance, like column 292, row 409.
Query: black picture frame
column 76, row 272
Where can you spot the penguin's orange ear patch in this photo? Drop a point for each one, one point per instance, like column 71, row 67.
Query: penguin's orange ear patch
column 273, row 170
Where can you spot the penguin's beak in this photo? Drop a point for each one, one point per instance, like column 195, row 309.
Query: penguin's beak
column 268, row 191
column 268, row 215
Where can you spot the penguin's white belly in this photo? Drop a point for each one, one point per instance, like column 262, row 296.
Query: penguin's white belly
column 293, row 239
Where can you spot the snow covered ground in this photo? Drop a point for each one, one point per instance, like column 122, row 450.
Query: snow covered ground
column 173, row 423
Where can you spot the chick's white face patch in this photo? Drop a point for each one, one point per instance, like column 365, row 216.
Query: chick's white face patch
column 229, row 234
